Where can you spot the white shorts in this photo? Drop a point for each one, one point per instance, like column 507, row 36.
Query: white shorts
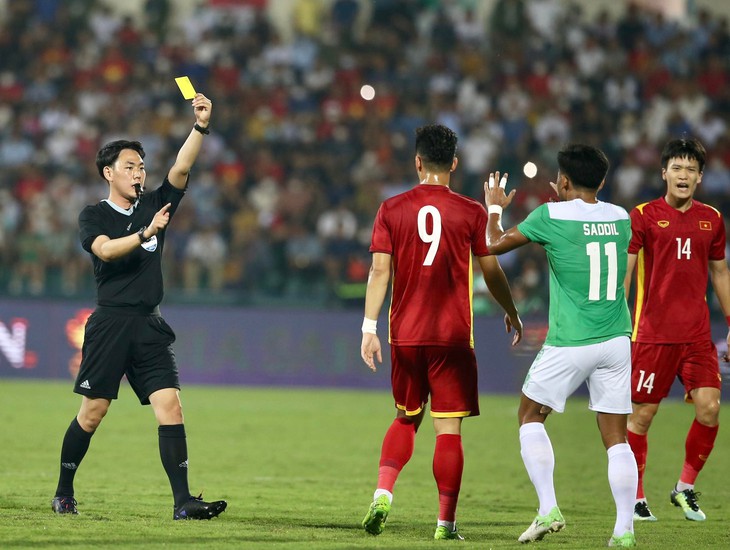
column 605, row 367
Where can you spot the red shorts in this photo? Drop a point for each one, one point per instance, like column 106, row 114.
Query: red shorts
column 654, row 367
column 448, row 374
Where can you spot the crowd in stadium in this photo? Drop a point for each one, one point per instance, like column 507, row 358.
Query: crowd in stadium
column 281, row 202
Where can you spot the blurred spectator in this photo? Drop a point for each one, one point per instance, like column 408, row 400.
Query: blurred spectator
column 716, row 178
column 630, row 27
column 710, row 128
column 343, row 17
column 204, row 260
column 509, row 23
column 545, row 17
column 621, row 91
column 16, row 150
column 305, row 261
column 479, row 153
column 28, row 268
column 157, row 14
column 628, row 179
column 337, row 229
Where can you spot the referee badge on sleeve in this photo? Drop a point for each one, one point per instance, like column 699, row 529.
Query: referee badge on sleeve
column 151, row 245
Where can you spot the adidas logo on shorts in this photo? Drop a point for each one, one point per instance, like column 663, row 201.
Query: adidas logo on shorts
column 85, row 384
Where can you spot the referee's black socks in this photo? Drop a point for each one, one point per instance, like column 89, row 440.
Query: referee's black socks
column 174, row 456
column 75, row 444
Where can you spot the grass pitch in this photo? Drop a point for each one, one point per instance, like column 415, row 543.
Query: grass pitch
column 298, row 468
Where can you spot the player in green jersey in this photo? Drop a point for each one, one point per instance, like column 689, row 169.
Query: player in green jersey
column 586, row 242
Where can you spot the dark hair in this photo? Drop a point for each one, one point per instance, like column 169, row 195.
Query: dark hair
column 584, row 165
column 109, row 154
column 436, row 145
column 690, row 149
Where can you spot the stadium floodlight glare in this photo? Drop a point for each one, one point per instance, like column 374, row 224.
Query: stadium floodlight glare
column 367, row 92
column 529, row 169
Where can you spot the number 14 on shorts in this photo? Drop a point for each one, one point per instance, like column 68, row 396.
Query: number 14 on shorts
column 645, row 382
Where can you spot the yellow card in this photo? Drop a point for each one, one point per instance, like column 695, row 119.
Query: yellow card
column 186, row 87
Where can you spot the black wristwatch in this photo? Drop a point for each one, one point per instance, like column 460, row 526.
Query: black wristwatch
column 140, row 234
column 205, row 131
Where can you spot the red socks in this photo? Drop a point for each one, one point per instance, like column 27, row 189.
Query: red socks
column 448, row 465
column 639, row 447
column 699, row 444
column 396, row 451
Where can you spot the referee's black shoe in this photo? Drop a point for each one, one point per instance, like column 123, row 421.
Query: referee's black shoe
column 64, row 505
column 197, row 508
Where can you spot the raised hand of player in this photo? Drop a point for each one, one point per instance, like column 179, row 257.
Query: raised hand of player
column 514, row 323
column 494, row 195
column 160, row 220
column 202, row 106
column 370, row 350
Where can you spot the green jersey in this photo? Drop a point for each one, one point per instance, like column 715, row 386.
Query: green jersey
column 586, row 246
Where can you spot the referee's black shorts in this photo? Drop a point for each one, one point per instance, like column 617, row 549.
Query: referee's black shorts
column 118, row 341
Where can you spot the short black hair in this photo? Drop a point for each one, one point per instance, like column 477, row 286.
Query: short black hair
column 689, row 148
column 109, row 153
column 436, row 145
column 584, row 165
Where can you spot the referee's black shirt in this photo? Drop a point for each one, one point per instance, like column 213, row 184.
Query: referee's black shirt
column 136, row 279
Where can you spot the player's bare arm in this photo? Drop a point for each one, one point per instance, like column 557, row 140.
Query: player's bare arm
column 500, row 241
column 108, row 250
column 630, row 265
column 178, row 174
column 720, row 279
column 377, row 288
column 499, row 287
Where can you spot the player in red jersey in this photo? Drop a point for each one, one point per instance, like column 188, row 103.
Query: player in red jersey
column 677, row 241
column 426, row 237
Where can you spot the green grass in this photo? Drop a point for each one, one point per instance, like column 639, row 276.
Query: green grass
column 298, row 468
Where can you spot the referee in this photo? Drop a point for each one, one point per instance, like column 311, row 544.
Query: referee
column 126, row 335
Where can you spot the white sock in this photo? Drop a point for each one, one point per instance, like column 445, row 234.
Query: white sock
column 379, row 492
column 537, row 454
column 682, row 486
column 623, row 477
column 450, row 525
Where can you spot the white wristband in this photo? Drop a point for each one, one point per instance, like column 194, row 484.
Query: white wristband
column 369, row 325
column 494, row 209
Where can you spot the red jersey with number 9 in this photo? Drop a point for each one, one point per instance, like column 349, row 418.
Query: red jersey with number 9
column 431, row 233
column 673, row 253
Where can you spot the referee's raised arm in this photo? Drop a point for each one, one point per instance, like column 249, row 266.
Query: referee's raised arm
column 178, row 174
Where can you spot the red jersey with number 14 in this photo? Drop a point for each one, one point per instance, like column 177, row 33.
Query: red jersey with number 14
column 431, row 233
column 673, row 253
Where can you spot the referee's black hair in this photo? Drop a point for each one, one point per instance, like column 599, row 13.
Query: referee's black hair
column 584, row 165
column 109, row 154
column 436, row 145
column 689, row 148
